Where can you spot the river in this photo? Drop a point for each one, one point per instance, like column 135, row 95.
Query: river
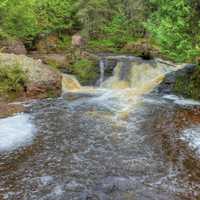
column 117, row 142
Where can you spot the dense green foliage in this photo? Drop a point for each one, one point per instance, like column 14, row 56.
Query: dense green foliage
column 108, row 25
column 170, row 27
column 12, row 79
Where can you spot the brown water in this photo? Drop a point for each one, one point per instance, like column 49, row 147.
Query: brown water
column 115, row 145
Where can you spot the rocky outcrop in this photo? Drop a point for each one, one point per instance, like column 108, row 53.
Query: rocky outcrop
column 42, row 81
column 13, row 46
column 168, row 85
column 57, row 60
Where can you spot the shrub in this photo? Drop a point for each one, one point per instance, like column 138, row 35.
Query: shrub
column 85, row 70
column 12, row 79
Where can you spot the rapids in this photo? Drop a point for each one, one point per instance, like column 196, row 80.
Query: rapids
column 117, row 142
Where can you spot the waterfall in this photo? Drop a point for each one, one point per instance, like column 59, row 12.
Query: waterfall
column 138, row 74
column 102, row 68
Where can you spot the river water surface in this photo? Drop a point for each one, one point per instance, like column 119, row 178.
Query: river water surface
column 107, row 145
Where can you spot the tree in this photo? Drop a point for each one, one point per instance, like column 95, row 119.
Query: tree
column 170, row 27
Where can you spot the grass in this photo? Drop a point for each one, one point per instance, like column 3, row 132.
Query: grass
column 12, row 79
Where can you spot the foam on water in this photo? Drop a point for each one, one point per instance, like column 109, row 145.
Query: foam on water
column 15, row 132
column 192, row 136
column 181, row 101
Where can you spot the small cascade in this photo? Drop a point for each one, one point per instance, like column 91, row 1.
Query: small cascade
column 102, row 68
column 137, row 74
column 69, row 82
column 101, row 71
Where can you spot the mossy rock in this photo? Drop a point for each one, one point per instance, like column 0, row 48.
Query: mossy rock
column 188, row 85
column 24, row 76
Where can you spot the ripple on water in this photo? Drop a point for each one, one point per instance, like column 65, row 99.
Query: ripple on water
column 15, row 132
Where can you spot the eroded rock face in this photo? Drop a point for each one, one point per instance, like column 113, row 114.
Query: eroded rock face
column 42, row 81
column 16, row 47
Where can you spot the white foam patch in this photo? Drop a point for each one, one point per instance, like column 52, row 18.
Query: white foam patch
column 192, row 137
column 181, row 101
column 171, row 97
column 15, row 132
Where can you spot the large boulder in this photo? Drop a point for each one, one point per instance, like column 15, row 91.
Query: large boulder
column 181, row 82
column 41, row 80
column 13, row 46
column 58, row 60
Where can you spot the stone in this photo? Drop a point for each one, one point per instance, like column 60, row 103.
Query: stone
column 77, row 40
column 58, row 60
column 13, row 46
column 42, row 80
column 10, row 109
column 167, row 85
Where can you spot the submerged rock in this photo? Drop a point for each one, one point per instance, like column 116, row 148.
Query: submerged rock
column 41, row 80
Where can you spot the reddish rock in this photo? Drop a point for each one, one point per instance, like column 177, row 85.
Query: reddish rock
column 42, row 81
column 10, row 109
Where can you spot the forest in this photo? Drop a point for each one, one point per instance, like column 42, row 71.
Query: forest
column 170, row 27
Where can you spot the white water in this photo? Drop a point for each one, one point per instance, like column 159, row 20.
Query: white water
column 181, row 101
column 15, row 132
column 102, row 68
column 192, row 137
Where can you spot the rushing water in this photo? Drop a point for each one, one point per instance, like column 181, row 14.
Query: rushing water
column 114, row 144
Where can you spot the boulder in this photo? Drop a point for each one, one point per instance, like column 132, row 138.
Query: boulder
column 13, row 46
column 10, row 109
column 57, row 60
column 167, row 86
column 77, row 41
column 42, row 80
